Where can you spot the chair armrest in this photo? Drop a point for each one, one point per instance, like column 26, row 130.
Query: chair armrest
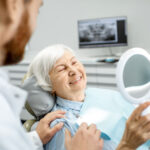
column 28, row 124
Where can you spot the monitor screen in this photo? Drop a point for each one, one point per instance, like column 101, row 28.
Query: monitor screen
column 104, row 32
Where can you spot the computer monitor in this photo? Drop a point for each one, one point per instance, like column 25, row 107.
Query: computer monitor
column 103, row 32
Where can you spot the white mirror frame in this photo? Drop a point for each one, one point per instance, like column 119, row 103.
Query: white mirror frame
column 119, row 74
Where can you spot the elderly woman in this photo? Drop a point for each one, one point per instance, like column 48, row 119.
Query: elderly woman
column 58, row 71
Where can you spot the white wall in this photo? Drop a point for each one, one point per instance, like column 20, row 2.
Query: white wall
column 57, row 23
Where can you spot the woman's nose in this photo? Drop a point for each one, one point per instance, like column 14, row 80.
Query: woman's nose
column 72, row 72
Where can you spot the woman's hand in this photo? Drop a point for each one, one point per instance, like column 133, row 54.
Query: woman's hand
column 137, row 129
column 86, row 138
column 43, row 129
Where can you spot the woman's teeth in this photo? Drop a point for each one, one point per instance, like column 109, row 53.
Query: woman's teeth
column 75, row 80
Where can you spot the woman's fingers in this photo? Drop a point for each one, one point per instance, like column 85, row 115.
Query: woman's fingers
column 146, row 128
column 137, row 112
column 144, row 120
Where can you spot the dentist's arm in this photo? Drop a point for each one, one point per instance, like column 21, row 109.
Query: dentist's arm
column 137, row 129
column 44, row 133
column 86, row 138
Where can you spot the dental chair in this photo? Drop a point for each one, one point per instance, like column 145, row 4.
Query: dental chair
column 39, row 102
column 29, row 123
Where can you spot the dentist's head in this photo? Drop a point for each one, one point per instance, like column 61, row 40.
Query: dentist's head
column 58, row 70
column 17, row 23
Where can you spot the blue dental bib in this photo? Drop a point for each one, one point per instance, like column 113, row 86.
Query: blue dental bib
column 109, row 111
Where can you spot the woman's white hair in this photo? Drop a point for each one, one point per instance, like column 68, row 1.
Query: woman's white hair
column 43, row 63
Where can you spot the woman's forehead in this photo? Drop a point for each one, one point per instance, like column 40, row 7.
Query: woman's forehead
column 67, row 56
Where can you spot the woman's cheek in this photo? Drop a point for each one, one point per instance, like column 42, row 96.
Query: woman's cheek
column 60, row 79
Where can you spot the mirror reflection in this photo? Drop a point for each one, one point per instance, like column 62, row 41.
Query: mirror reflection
column 136, row 76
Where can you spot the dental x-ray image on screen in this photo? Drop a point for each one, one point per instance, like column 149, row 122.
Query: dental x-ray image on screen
column 102, row 32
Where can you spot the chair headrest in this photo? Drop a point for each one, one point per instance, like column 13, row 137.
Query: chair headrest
column 40, row 101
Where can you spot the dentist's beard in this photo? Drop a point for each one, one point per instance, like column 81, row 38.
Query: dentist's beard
column 14, row 49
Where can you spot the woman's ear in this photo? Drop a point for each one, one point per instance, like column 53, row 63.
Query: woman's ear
column 53, row 92
column 15, row 9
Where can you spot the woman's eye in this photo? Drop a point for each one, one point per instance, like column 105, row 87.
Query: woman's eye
column 74, row 62
column 61, row 69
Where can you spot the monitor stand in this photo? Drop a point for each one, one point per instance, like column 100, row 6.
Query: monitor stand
column 111, row 58
column 110, row 52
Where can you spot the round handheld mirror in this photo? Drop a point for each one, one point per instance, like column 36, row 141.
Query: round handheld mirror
column 133, row 76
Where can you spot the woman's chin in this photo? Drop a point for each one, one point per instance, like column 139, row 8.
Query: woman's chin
column 78, row 87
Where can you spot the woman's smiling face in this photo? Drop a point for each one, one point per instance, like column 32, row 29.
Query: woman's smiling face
column 68, row 76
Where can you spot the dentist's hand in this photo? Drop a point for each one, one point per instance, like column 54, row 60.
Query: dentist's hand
column 86, row 138
column 137, row 129
column 43, row 128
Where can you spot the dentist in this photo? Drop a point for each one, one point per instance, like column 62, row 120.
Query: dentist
column 17, row 23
